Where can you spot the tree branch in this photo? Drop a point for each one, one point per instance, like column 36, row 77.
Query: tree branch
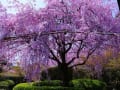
column 90, row 52
column 71, row 60
column 69, row 47
column 78, row 52
column 53, row 55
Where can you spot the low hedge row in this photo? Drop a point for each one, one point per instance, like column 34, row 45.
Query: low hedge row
column 16, row 79
column 48, row 83
column 29, row 86
column 79, row 84
column 7, row 84
column 89, row 84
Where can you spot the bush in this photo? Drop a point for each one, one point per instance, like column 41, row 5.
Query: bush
column 112, row 77
column 6, row 85
column 81, row 73
column 28, row 86
column 48, row 83
column 54, row 74
column 89, row 84
column 11, row 82
column 79, row 84
column 23, row 86
column 16, row 79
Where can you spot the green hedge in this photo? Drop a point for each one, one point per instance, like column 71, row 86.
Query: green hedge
column 79, row 84
column 6, row 85
column 28, row 86
column 48, row 83
column 111, row 76
column 54, row 74
column 89, row 84
column 16, row 79
column 80, row 73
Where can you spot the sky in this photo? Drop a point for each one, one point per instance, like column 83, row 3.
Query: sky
column 114, row 10
column 8, row 3
column 41, row 4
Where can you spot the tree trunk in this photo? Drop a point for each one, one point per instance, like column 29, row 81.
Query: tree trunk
column 66, row 74
column 118, row 1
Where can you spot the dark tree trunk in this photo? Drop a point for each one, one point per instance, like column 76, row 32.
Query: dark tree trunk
column 66, row 74
column 118, row 1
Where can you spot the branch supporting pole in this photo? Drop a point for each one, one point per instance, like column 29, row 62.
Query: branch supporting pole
column 32, row 35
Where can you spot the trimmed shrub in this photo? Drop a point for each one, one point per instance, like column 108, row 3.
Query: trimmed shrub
column 6, row 85
column 28, row 86
column 23, row 86
column 16, row 79
column 79, row 84
column 89, row 84
column 11, row 82
column 48, row 83
column 54, row 74
column 112, row 77
column 81, row 73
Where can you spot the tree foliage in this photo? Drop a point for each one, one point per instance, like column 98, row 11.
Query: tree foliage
column 65, row 32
